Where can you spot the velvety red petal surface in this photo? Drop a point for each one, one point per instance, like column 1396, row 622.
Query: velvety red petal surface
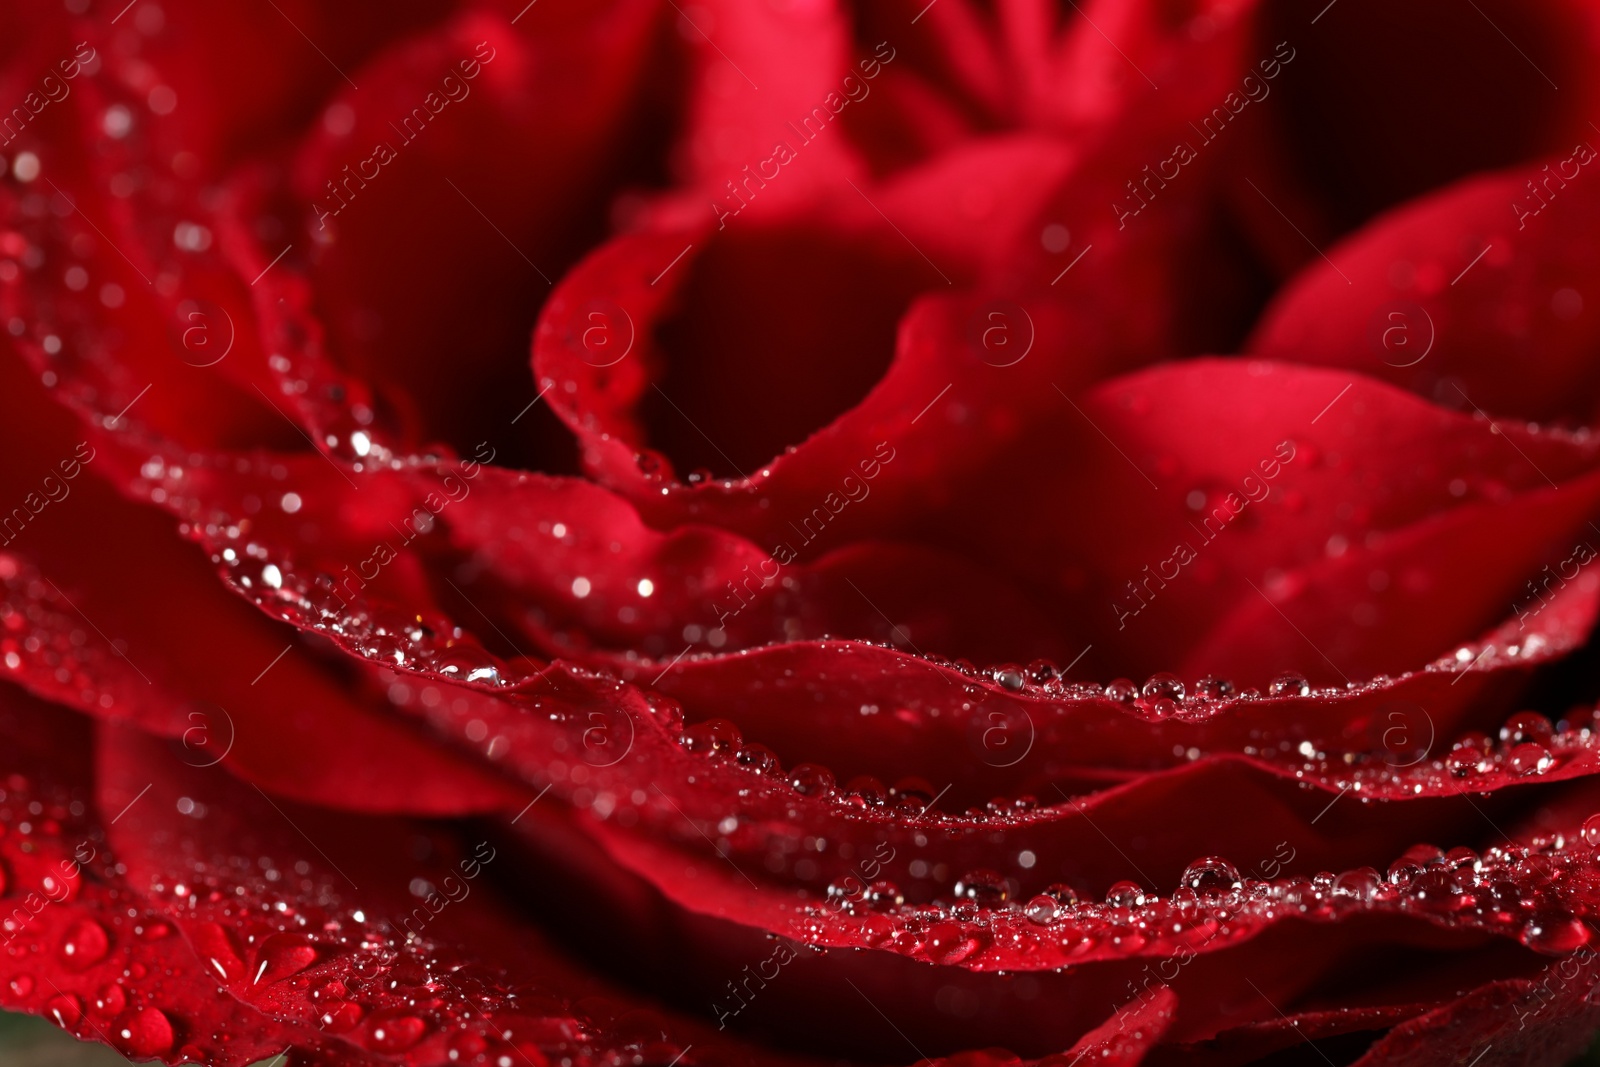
column 639, row 534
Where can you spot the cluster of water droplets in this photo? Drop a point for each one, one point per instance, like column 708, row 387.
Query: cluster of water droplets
column 1165, row 695
column 43, row 640
column 1543, row 894
column 272, row 935
column 60, row 915
column 1526, row 746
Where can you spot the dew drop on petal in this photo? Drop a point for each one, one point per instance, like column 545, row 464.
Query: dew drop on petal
column 811, row 780
column 1210, row 875
column 396, row 1031
column 84, row 944
column 1289, row 684
column 983, row 887
column 143, row 1033
column 1163, row 686
column 950, row 942
column 1527, row 727
column 1121, row 690
column 65, row 1009
column 1555, row 934
column 1125, row 895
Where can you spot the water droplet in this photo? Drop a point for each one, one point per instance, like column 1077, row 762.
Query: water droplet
column 21, row 985
column 1289, row 684
column 465, row 1047
column 811, row 780
column 867, row 792
column 883, row 896
column 950, row 942
column 1010, row 678
column 717, row 737
column 1041, row 910
column 1555, row 933
column 1591, row 831
column 1530, row 759
column 1163, row 686
column 282, row 955
column 84, row 944
column 1360, row 884
column 983, row 887
column 340, row 1016
column 1125, row 895
column 396, row 1031
column 1121, row 690
column 1063, row 894
column 1464, row 761
column 65, row 1009
column 109, row 1001
column 143, row 1033
column 1210, row 875
column 1402, row 871
column 1527, row 727
column 759, row 758
column 913, row 795
column 1214, row 688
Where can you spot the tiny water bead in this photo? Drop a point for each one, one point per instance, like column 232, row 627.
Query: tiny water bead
column 883, row 896
column 84, row 944
column 717, row 737
column 143, row 1033
column 1163, row 687
column 951, row 942
column 1121, row 691
column 1125, row 895
column 1213, row 688
column 811, row 780
column 395, row 1031
column 1555, row 934
column 1527, row 727
column 1010, row 678
column 1210, row 875
column 1289, row 684
column 983, row 887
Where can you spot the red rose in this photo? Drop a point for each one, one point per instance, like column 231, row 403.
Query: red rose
column 619, row 533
